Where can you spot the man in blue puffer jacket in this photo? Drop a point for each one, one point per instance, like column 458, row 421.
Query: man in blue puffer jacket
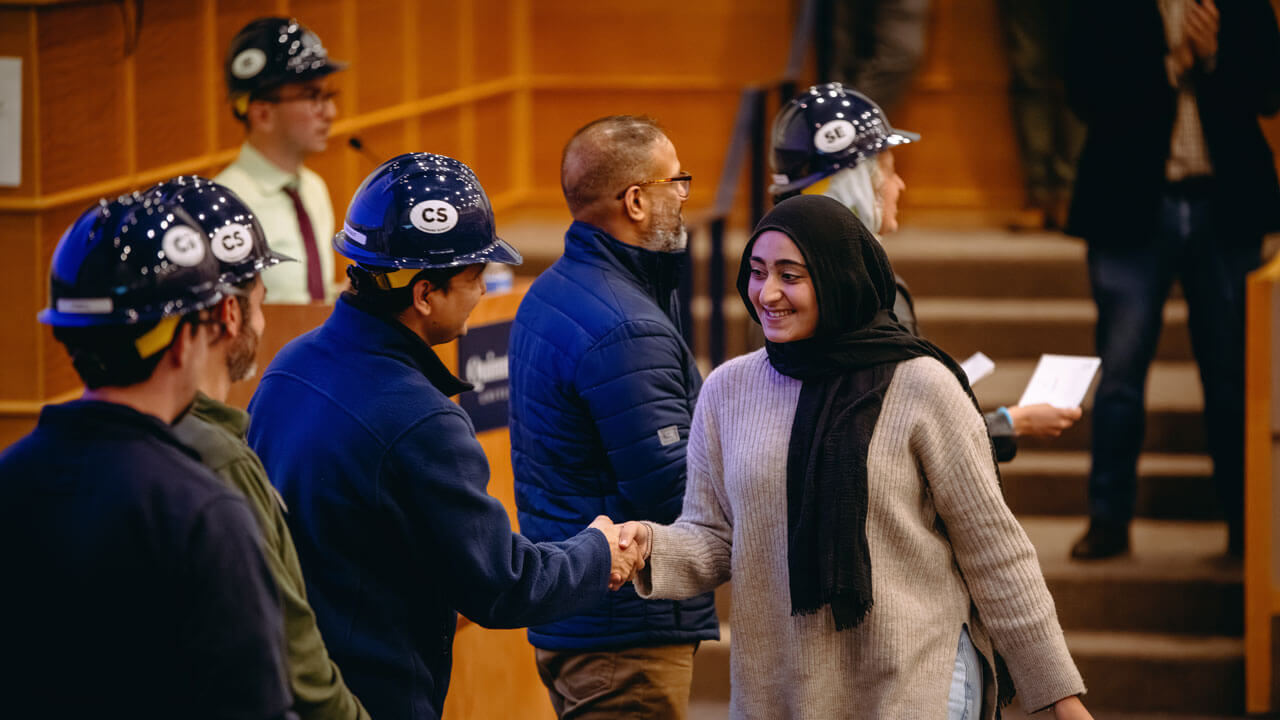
column 602, row 393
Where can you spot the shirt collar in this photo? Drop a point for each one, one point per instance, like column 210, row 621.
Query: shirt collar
column 266, row 174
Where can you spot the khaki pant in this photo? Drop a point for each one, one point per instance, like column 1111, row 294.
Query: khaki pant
column 644, row 682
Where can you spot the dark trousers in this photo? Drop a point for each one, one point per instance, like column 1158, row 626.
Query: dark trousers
column 1130, row 285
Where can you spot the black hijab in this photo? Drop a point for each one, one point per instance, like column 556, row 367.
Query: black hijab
column 846, row 368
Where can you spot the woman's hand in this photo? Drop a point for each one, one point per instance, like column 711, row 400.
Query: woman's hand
column 1042, row 420
column 1070, row 708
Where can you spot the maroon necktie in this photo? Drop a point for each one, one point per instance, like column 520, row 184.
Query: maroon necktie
column 315, row 276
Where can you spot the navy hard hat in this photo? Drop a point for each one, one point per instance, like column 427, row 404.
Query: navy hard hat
column 272, row 51
column 421, row 210
column 131, row 260
column 236, row 238
column 827, row 129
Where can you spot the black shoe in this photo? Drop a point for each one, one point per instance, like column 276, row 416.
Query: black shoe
column 1101, row 541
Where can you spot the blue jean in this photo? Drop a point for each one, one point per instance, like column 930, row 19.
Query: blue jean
column 1130, row 285
column 965, row 699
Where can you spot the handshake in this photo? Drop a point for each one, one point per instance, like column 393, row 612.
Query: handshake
column 628, row 548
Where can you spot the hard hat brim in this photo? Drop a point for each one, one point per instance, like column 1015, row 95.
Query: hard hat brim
column 499, row 251
column 895, row 138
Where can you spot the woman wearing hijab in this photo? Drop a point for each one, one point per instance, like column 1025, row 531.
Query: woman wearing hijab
column 850, row 159
column 843, row 478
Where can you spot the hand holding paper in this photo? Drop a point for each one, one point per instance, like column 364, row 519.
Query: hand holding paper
column 1060, row 380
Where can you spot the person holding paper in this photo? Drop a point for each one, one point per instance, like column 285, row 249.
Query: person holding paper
column 821, row 469
column 849, row 159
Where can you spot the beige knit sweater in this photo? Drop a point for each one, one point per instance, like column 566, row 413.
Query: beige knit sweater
column 929, row 458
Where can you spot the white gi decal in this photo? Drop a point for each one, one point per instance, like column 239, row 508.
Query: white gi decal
column 433, row 216
column 248, row 63
column 232, row 243
column 668, row 435
column 834, row 136
column 183, row 246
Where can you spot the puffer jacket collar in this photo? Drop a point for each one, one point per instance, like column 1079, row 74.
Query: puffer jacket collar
column 658, row 273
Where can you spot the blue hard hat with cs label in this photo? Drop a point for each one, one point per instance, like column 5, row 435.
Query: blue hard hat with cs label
column 421, row 210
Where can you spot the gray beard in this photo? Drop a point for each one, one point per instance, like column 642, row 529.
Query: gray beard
column 673, row 239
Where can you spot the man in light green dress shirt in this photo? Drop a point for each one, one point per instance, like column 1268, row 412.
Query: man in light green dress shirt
column 279, row 86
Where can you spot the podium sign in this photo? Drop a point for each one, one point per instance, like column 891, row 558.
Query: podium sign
column 482, row 361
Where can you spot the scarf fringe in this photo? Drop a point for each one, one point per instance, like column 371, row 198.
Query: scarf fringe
column 860, row 616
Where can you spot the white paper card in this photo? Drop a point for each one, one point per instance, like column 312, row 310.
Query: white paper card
column 1060, row 380
column 10, row 121
column 977, row 367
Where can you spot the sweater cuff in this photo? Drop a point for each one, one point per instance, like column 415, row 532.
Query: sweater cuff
column 1043, row 672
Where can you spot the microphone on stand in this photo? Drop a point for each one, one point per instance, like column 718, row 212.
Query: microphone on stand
column 359, row 147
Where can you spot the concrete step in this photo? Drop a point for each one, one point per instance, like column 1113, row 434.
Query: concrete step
column 1015, row 328
column 1138, row 672
column 988, row 263
column 1170, row 486
column 1176, row 579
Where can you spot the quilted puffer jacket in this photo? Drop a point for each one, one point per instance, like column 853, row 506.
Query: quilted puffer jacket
column 602, row 393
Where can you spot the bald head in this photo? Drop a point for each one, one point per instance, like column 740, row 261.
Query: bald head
column 604, row 157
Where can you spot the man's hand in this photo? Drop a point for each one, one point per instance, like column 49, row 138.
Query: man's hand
column 625, row 562
column 1200, row 28
column 1042, row 420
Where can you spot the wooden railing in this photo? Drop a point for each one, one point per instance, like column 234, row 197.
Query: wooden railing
column 1262, row 488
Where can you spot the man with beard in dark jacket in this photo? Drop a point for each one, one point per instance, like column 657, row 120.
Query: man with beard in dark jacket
column 602, row 392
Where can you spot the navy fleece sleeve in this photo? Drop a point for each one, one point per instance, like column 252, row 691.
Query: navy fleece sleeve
column 493, row 576
column 633, row 381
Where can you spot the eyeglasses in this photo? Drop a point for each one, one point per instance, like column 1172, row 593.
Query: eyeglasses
column 318, row 97
column 683, row 182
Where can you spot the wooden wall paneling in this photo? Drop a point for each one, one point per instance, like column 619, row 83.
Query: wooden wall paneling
column 22, row 295
column 968, row 156
column 18, row 38
column 378, row 59
column 699, row 123
column 58, row 376
column 521, row 125
column 494, row 26
column 440, row 132
column 82, row 121
column 744, row 40
column 170, row 66
column 496, row 144
column 439, row 45
column 408, row 71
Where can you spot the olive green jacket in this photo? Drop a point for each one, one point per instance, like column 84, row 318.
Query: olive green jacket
column 217, row 432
